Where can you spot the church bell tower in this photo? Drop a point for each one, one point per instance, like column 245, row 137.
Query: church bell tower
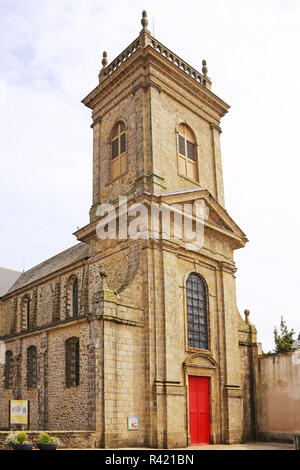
column 156, row 124
column 169, row 325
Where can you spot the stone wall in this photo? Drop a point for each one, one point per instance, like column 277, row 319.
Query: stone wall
column 68, row 439
column 278, row 396
column 52, row 404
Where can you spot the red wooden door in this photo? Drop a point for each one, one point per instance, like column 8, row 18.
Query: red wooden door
column 199, row 410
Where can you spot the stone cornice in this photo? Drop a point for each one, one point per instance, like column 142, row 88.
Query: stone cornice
column 233, row 233
column 215, row 126
column 145, row 84
column 49, row 326
column 122, row 321
column 144, row 58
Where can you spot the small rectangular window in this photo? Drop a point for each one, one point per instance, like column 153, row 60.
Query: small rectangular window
column 191, row 151
column 123, row 143
column 181, row 142
column 115, row 148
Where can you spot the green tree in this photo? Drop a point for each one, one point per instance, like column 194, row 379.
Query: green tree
column 283, row 339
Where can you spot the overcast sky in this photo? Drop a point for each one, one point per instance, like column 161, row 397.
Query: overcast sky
column 50, row 56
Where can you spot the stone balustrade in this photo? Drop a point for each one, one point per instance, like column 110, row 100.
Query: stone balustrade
column 144, row 40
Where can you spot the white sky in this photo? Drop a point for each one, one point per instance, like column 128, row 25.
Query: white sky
column 50, row 56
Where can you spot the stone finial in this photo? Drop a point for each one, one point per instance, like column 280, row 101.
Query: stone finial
column 247, row 313
column 102, row 73
column 145, row 35
column 144, row 20
column 104, row 60
column 204, row 68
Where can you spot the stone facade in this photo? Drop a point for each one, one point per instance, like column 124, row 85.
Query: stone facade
column 132, row 315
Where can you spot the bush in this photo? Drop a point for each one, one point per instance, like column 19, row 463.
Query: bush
column 10, row 439
column 45, row 438
column 18, row 437
column 21, row 437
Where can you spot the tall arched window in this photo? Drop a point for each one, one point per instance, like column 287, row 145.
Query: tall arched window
column 187, row 153
column 118, row 150
column 75, row 298
column 197, row 312
column 31, row 367
column 72, row 362
column 56, row 303
column 8, row 370
column 72, row 297
column 25, row 313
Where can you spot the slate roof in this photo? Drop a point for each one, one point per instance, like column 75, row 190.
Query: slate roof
column 66, row 258
column 7, row 278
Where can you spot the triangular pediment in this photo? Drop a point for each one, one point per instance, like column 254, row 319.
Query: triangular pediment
column 216, row 217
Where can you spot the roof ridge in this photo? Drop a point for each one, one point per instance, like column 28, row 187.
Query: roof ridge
column 51, row 265
column 52, row 257
column 12, row 270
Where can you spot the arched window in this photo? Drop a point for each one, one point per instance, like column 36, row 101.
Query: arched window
column 72, row 306
column 26, row 314
column 31, row 367
column 8, row 370
column 118, row 150
column 72, row 362
column 56, row 303
column 187, row 153
column 197, row 312
column 75, row 298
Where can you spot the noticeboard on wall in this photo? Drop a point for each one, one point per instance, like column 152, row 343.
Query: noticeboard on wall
column 19, row 410
column 133, row 423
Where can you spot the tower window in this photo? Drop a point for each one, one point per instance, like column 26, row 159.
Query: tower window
column 8, row 370
column 197, row 312
column 31, row 367
column 118, row 150
column 72, row 362
column 187, row 155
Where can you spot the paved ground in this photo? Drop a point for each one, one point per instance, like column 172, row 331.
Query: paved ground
column 247, row 446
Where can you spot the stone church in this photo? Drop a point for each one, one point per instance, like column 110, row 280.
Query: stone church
column 138, row 341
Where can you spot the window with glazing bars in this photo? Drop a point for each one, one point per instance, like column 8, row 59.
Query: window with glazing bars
column 72, row 362
column 118, row 150
column 31, row 367
column 187, row 154
column 75, row 298
column 8, row 370
column 197, row 312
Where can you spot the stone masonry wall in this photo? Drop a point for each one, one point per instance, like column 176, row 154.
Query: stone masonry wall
column 68, row 439
column 52, row 405
column 278, row 396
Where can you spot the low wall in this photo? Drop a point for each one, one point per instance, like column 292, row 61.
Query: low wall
column 278, row 396
column 68, row 439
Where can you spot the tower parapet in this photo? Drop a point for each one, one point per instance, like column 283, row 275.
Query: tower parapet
column 146, row 39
